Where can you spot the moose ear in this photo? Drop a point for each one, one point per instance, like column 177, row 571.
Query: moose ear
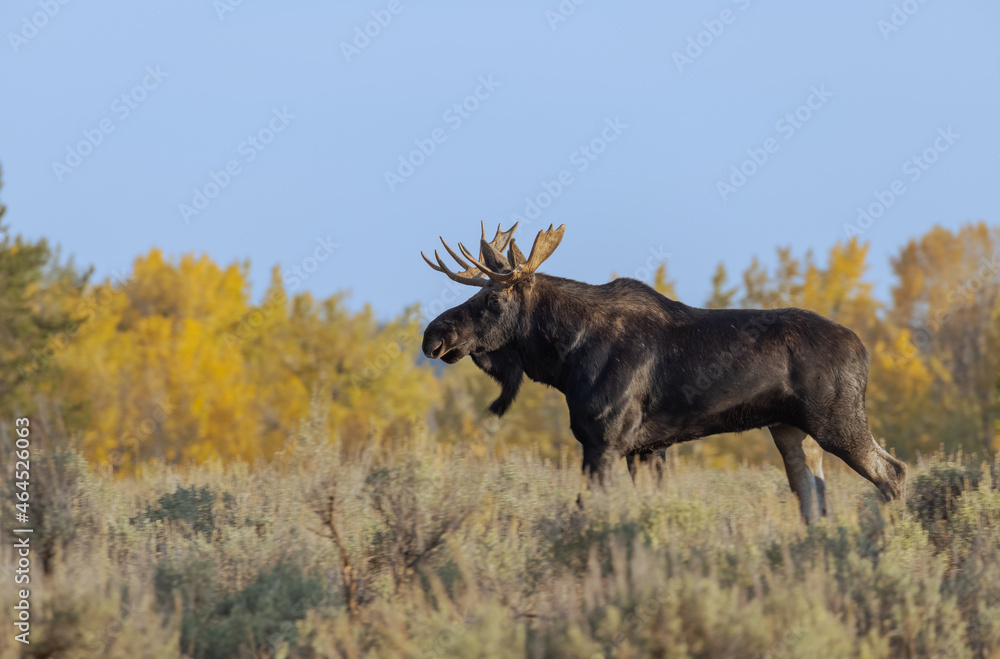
column 493, row 259
column 515, row 256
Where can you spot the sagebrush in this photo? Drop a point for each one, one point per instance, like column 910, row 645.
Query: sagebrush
column 428, row 550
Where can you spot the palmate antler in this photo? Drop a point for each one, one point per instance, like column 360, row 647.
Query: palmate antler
column 471, row 275
column 493, row 264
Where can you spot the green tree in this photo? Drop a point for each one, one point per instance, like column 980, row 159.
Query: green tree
column 40, row 313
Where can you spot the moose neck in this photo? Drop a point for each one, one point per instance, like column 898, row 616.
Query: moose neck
column 559, row 320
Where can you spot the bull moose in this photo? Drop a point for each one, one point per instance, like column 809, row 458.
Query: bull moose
column 642, row 372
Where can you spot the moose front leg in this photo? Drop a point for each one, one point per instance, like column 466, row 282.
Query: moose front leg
column 604, row 442
column 658, row 460
column 597, row 464
column 598, row 458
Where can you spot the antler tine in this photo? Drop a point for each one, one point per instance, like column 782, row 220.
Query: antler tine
column 499, row 277
column 457, row 257
column 471, row 281
column 468, row 254
column 433, row 267
column 545, row 243
column 482, row 267
column 503, row 238
column 514, row 255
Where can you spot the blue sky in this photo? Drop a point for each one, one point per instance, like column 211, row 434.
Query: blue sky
column 666, row 98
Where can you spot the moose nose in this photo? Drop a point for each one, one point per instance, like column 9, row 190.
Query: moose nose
column 435, row 339
column 434, row 351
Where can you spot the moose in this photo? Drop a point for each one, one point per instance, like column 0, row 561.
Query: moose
column 642, row 372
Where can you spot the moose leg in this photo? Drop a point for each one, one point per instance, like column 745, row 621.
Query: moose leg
column 804, row 466
column 597, row 462
column 658, row 460
column 853, row 443
column 605, row 439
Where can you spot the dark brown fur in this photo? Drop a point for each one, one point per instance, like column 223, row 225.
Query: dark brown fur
column 642, row 372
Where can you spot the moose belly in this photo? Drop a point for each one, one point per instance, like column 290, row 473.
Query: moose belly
column 733, row 401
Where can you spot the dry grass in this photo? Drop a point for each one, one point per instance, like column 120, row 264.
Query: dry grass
column 434, row 551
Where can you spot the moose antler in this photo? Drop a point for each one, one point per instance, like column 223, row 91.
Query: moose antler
column 545, row 243
column 493, row 264
column 471, row 275
column 501, row 240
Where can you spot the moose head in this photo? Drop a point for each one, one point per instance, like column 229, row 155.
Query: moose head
column 489, row 323
column 492, row 318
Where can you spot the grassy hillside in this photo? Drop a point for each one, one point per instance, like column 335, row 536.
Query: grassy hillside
column 429, row 551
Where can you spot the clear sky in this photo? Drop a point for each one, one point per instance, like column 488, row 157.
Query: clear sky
column 666, row 98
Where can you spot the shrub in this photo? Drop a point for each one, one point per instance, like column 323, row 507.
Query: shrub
column 934, row 491
column 260, row 618
column 434, row 551
column 191, row 505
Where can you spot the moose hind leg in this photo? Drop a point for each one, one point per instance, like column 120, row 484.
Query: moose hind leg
column 803, row 460
column 853, row 443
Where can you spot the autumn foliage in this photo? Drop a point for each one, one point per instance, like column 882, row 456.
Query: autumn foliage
column 174, row 361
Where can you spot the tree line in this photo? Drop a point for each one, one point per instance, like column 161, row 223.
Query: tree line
column 172, row 361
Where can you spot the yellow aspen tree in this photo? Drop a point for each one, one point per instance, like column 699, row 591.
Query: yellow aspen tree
column 948, row 296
